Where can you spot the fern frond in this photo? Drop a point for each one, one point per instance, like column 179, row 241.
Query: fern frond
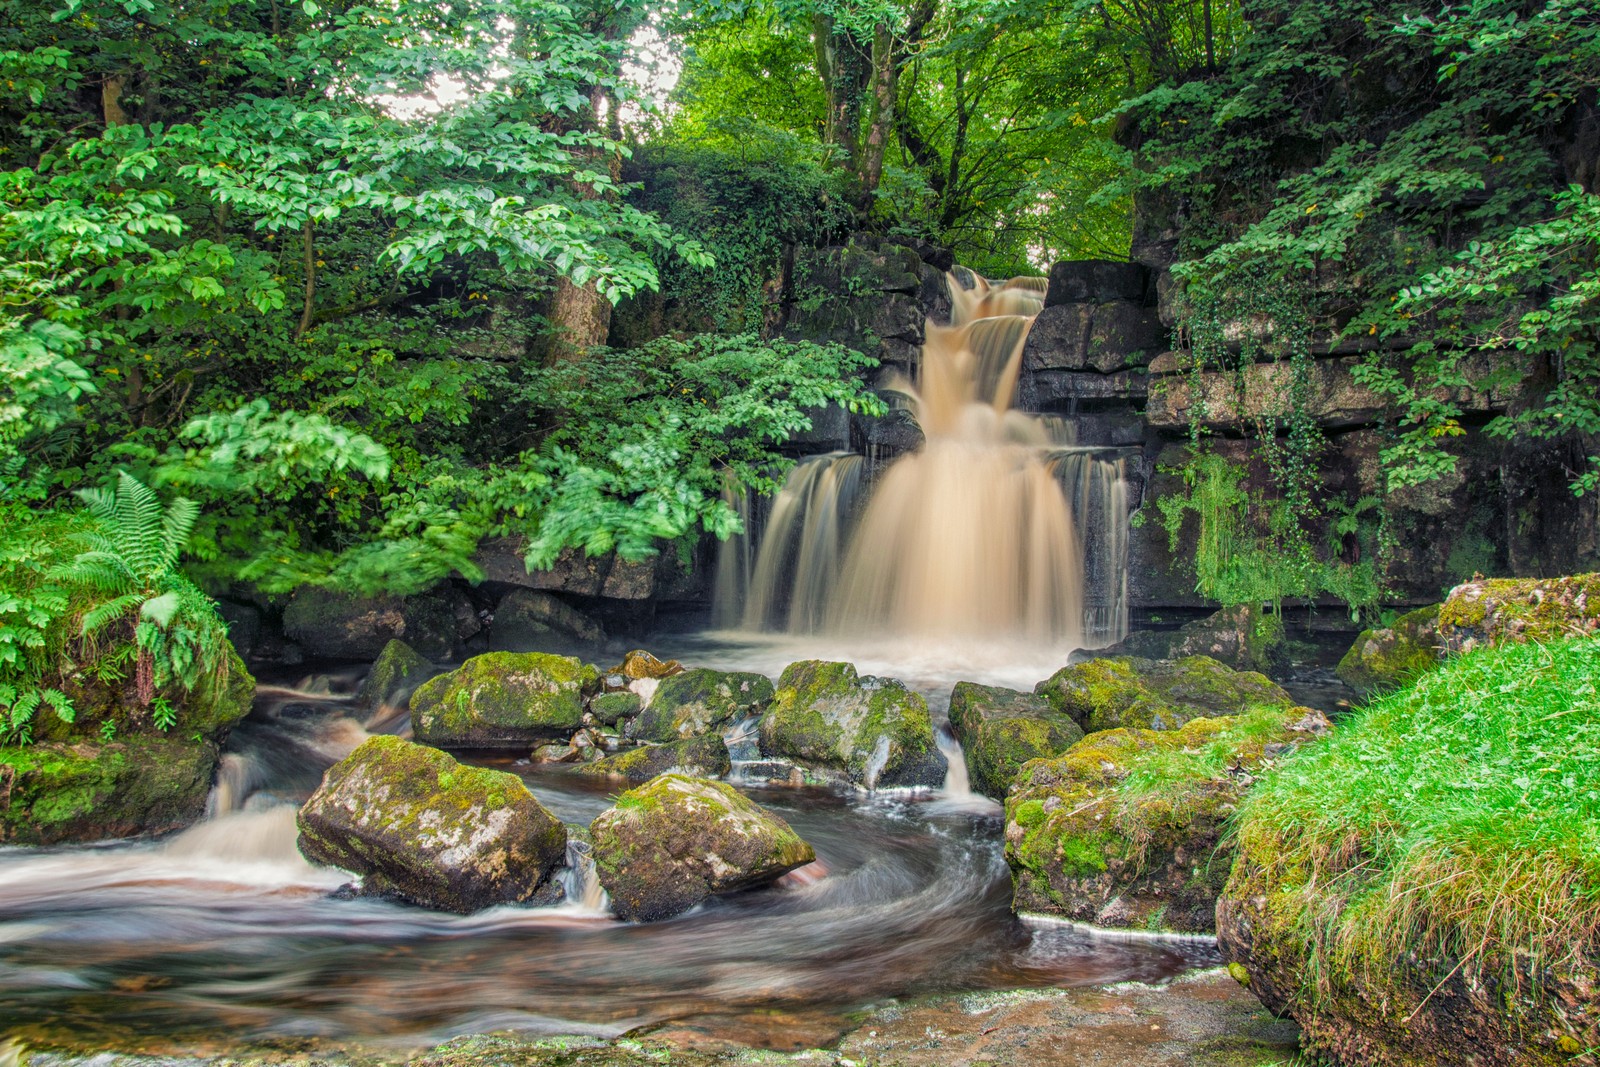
column 137, row 526
column 104, row 614
column 176, row 529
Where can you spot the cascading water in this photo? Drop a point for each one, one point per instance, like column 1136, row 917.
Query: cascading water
column 999, row 527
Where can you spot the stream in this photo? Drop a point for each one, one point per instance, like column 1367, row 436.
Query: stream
column 223, row 934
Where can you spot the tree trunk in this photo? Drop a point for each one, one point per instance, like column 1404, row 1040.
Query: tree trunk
column 308, row 251
column 885, row 81
column 579, row 315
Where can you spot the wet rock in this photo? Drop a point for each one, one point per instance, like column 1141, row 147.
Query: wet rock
column 705, row 756
column 1001, row 729
column 894, row 434
column 612, row 708
column 639, row 664
column 397, row 670
column 528, row 620
column 696, row 701
column 1125, row 829
column 874, row 731
column 57, row 792
column 1393, row 655
column 1496, row 611
column 503, row 700
column 1125, row 691
column 413, row 822
column 1242, row 637
column 1095, row 281
column 336, row 626
column 676, row 841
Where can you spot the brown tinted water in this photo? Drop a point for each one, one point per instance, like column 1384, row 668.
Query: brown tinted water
column 223, row 935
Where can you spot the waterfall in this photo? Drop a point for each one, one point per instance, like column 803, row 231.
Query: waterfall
column 1000, row 526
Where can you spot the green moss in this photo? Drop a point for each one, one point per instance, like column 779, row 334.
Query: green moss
column 1391, row 656
column 1123, row 691
column 1497, row 610
column 705, row 756
column 825, row 714
column 503, row 698
column 700, row 700
column 398, row 667
column 612, row 708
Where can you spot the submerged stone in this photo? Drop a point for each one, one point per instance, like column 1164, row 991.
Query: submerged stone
column 415, row 823
column 705, row 756
column 873, row 731
column 398, row 669
column 502, row 700
column 1125, row 829
column 1124, row 691
column 676, row 841
column 1001, row 729
column 698, row 701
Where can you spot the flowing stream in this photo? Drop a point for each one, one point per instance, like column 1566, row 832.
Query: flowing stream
column 988, row 555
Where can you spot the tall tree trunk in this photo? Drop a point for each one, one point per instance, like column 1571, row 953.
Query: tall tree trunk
column 308, row 252
column 581, row 317
column 885, row 81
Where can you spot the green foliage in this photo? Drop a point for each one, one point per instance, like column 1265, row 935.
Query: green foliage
column 1455, row 819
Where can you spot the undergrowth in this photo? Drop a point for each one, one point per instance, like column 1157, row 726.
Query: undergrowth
column 1456, row 820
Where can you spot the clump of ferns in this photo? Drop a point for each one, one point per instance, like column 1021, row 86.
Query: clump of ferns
column 139, row 600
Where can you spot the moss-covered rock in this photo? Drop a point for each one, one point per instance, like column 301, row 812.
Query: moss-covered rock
column 1001, row 729
column 874, row 731
column 502, row 700
column 1392, row 655
column 1242, row 637
column 612, row 708
column 705, row 756
column 1496, row 611
column 1123, row 691
column 88, row 791
column 413, row 822
column 1125, row 829
column 675, row 841
column 398, row 669
column 696, row 701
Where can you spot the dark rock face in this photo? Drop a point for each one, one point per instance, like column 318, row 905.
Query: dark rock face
column 676, row 841
column 700, row 700
column 526, row 620
column 1002, row 729
column 874, row 731
column 1243, row 637
column 503, row 700
column 415, row 823
column 335, row 626
column 1095, row 281
column 502, row 561
column 57, row 792
column 1108, row 337
column 1123, row 691
column 1083, row 845
column 705, row 756
column 397, row 670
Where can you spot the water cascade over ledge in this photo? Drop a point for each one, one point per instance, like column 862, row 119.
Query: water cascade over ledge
column 999, row 527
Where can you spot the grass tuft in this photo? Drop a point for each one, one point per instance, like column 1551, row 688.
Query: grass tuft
column 1457, row 819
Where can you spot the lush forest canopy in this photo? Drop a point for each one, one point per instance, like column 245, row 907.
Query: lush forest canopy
column 343, row 274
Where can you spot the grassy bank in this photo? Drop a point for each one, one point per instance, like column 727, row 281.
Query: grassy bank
column 1458, row 819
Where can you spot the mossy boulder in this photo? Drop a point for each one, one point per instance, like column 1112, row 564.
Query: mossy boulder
column 503, row 700
column 415, row 823
column 57, row 792
column 676, row 841
column 873, row 731
column 612, row 708
column 1125, row 691
column 398, row 669
column 698, row 757
column 211, row 709
column 1126, row 828
column 1392, row 655
column 697, row 701
column 1001, row 729
column 1242, row 637
column 1497, row 611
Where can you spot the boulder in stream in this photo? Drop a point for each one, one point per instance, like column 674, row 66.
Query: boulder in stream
column 705, row 756
column 698, row 701
column 1125, row 691
column 676, row 841
column 1388, row 656
column 1001, row 729
column 502, row 700
column 1125, row 829
column 398, row 669
column 1242, row 637
column 873, row 731
column 414, row 822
